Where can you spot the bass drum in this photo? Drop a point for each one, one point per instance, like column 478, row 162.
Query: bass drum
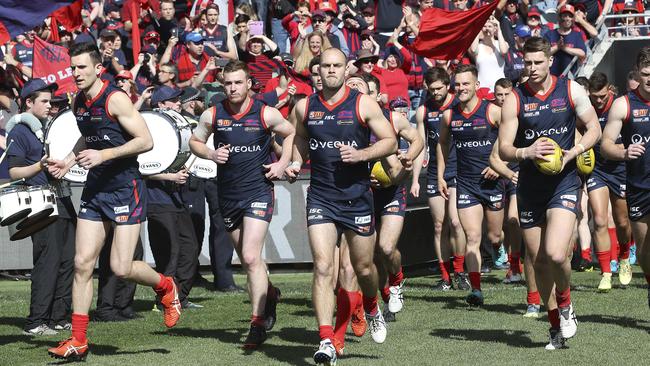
column 171, row 142
column 203, row 168
column 61, row 136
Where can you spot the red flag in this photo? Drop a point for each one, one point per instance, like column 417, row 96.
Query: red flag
column 135, row 31
column 69, row 16
column 54, row 30
column 4, row 34
column 52, row 64
column 446, row 35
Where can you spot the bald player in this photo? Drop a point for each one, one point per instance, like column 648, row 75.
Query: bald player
column 333, row 129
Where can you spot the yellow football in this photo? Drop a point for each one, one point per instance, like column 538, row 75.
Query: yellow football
column 554, row 163
column 586, row 162
column 380, row 174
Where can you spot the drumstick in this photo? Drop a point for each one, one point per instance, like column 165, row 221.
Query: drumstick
column 4, row 154
column 12, row 183
column 47, row 148
column 191, row 163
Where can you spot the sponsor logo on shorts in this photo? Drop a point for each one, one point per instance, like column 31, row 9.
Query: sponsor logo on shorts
column 137, row 212
column 497, row 205
column 262, row 205
column 227, row 220
column 314, row 217
column 571, row 197
column 568, row 204
column 394, row 203
column 260, row 213
column 122, row 218
column 316, row 115
column 496, row 198
column 392, row 209
column 315, row 210
column 463, row 202
column 360, row 220
column 120, row 209
column 463, row 196
column 83, row 210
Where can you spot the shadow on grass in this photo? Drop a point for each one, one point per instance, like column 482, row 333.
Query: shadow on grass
column 13, row 321
column 512, row 338
column 459, row 303
column 105, row 350
column 621, row 321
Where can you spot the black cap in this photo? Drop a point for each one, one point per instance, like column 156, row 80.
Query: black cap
column 107, row 33
column 34, row 85
column 164, row 93
column 190, row 94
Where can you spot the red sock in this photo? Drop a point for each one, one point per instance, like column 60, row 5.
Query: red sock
column 396, row 279
column 475, row 280
column 586, row 254
column 563, row 298
column 614, row 240
column 257, row 320
column 624, row 250
column 443, row 270
column 533, row 298
column 554, row 318
column 385, row 293
column 326, row 332
column 344, row 307
column 603, row 259
column 163, row 286
column 647, row 278
column 79, row 326
column 370, row 305
column 459, row 263
column 515, row 262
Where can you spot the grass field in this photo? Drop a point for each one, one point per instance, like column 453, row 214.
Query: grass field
column 433, row 329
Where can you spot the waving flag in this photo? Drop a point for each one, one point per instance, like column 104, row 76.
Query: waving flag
column 52, row 64
column 19, row 16
column 446, row 35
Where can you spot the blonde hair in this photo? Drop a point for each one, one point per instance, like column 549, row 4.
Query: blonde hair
column 305, row 56
column 248, row 10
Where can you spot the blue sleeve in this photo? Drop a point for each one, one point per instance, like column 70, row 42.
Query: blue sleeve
column 20, row 145
column 269, row 98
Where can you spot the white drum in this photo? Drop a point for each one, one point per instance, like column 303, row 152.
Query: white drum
column 171, row 142
column 43, row 204
column 203, row 168
column 28, row 230
column 61, row 136
column 14, row 205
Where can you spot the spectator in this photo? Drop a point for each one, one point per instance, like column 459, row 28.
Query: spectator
column 259, row 53
column 190, row 59
column 124, row 81
column 144, row 69
column 368, row 42
column 369, row 17
column 353, row 25
column 460, row 5
column 591, row 8
column 21, row 55
column 243, row 32
column 630, row 26
column 287, row 85
column 566, row 41
column 515, row 57
column 510, row 19
column 110, row 61
column 587, row 29
column 143, row 12
column 396, row 66
column 489, row 55
column 366, row 63
column 322, row 21
column 168, row 75
column 246, row 9
column 111, row 18
column 151, row 39
column 534, row 22
column 297, row 23
column 314, row 45
column 280, row 9
column 218, row 40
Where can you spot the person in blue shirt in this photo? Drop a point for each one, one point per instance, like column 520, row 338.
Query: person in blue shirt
column 566, row 41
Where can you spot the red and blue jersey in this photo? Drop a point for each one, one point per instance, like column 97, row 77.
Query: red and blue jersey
column 602, row 164
column 474, row 136
column 432, row 117
column 243, row 175
column 636, row 130
column 329, row 126
column 552, row 115
column 102, row 131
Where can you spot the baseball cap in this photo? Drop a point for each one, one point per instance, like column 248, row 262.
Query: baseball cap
column 369, row 10
column 34, row 85
column 398, row 102
column 534, row 11
column 111, row 7
column 164, row 93
column 567, row 8
column 318, row 14
column 522, row 31
column 194, row 37
column 107, row 33
column 152, row 36
column 327, row 8
column 287, row 58
column 124, row 74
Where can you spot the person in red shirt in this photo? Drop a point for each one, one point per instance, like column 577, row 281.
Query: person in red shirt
column 189, row 59
column 297, row 23
column 293, row 85
column 143, row 11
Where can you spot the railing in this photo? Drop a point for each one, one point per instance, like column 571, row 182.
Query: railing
column 606, row 33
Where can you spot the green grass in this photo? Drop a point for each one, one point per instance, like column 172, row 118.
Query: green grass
column 433, row 329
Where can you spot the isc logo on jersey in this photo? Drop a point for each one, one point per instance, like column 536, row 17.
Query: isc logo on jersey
column 317, row 144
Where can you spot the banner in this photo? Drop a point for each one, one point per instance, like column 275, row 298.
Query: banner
column 19, row 16
column 69, row 16
column 52, row 64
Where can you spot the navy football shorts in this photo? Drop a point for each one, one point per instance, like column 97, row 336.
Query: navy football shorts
column 390, row 201
column 356, row 215
column 124, row 206
column 489, row 193
column 258, row 207
column 616, row 183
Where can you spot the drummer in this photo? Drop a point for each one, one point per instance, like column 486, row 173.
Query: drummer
column 171, row 235
column 53, row 246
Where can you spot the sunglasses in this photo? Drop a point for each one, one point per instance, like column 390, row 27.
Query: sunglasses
column 318, row 20
column 119, row 81
column 198, row 43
